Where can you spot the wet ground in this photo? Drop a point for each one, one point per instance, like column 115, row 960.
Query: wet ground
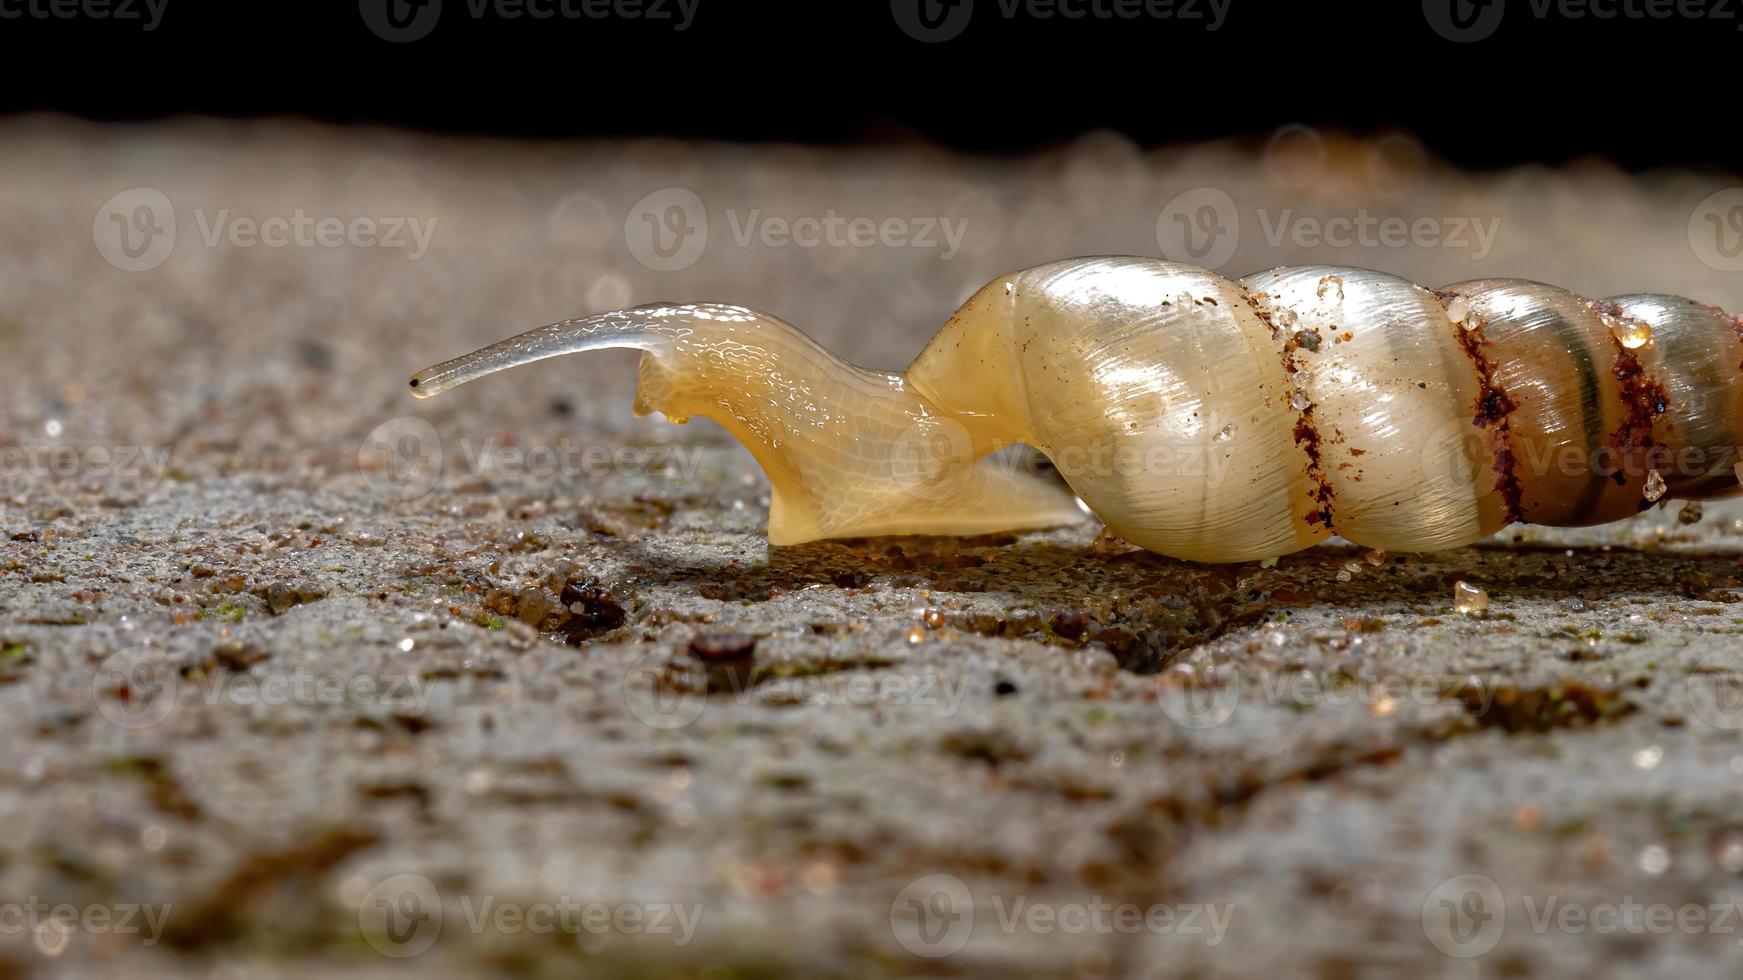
column 300, row 674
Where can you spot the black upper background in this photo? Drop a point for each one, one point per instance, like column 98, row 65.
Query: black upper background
column 1642, row 93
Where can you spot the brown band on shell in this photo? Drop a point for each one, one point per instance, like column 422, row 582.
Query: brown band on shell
column 1643, row 399
column 1306, row 433
column 1493, row 413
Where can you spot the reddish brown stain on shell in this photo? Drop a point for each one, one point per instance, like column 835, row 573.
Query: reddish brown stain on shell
column 1306, row 432
column 1493, row 411
column 1643, row 400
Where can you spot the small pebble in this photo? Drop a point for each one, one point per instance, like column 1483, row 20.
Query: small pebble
column 1469, row 599
column 1458, row 309
column 1654, row 485
column 713, row 648
column 1690, row 513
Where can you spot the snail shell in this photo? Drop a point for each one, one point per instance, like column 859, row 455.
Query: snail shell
column 1207, row 418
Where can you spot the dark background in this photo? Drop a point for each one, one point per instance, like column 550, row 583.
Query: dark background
column 1641, row 92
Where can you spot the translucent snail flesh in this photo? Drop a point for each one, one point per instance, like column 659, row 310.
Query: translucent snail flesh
column 1207, row 418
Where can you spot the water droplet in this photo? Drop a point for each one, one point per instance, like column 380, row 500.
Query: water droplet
column 1691, row 513
column 53, row 428
column 1648, row 758
column 407, row 644
column 1655, row 860
column 933, row 618
column 1469, row 599
column 1377, row 557
column 1227, row 433
column 1458, row 309
column 1299, row 401
column 1631, row 332
column 1285, row 319
column 1654, row 485
column 1344, row 576
column 916, row 636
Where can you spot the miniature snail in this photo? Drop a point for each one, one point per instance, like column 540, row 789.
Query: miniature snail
column 1205, row 418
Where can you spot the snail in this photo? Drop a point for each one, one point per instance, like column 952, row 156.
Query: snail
column 1205, row 418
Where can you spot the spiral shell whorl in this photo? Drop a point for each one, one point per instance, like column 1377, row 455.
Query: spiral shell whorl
column 1224, row 421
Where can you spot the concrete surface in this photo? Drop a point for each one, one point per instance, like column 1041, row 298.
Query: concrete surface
column 279, row 700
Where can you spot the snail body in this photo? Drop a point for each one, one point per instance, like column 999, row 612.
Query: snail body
column 1207, row 418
